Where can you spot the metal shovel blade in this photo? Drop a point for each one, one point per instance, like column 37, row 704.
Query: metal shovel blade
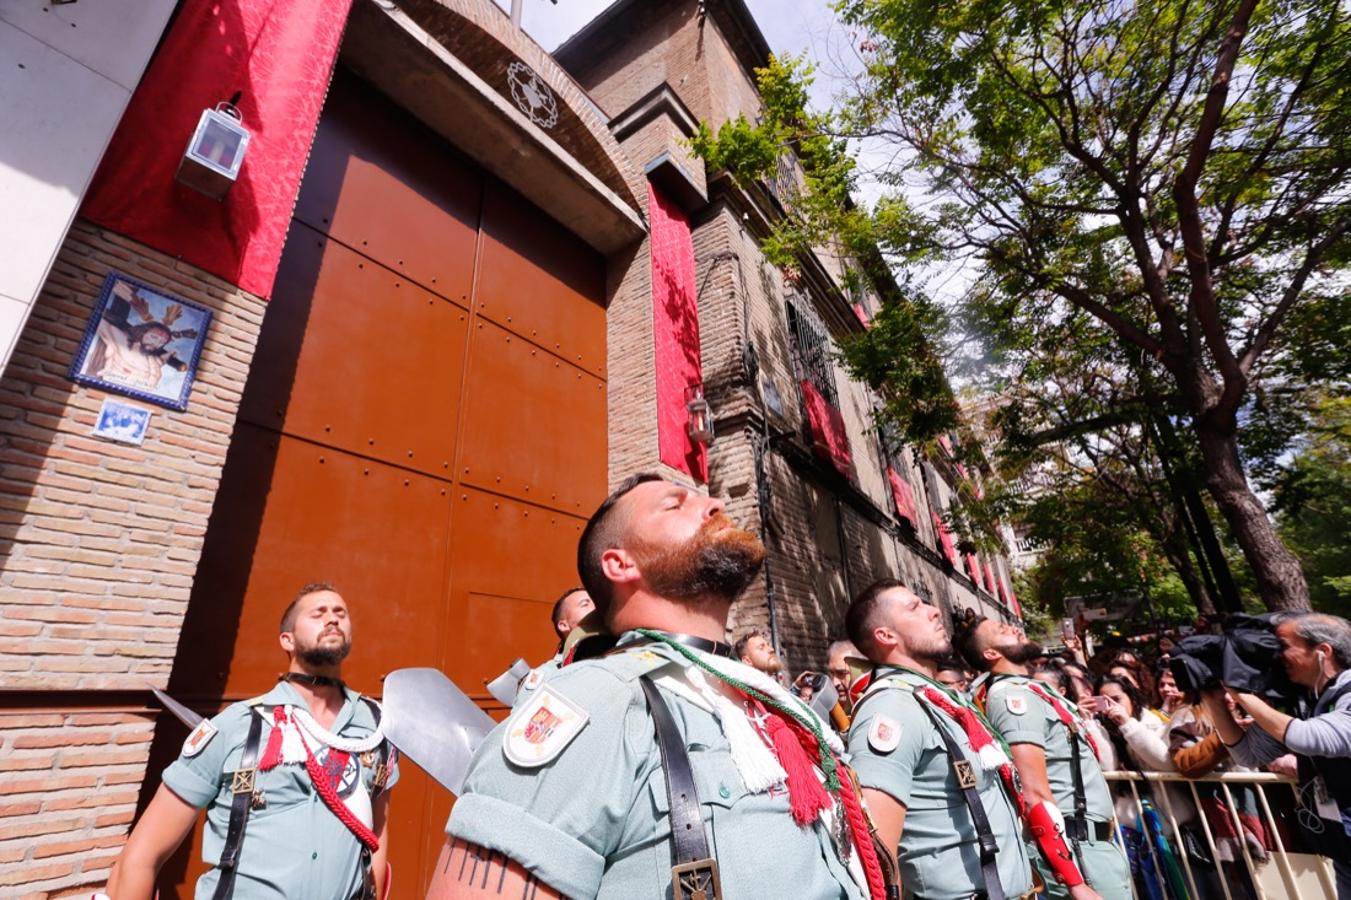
column 434, row 723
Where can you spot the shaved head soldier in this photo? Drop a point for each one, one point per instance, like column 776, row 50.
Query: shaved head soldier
column 1066, row 795
column 667, row 750
column 936, row 780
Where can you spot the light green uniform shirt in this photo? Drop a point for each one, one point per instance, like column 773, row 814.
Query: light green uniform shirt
column 939, row 852
column 1024, row 718
column 593, row 820
column 536, row 677
column 293, row 847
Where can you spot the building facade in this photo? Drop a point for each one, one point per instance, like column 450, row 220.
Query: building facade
column 460, row 288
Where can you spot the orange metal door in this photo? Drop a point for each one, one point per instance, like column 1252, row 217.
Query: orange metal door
column 423, row 425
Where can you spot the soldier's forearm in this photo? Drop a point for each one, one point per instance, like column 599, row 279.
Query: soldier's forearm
column 466, row 871
column 131, row 879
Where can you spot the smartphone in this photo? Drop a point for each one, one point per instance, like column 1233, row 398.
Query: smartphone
column 1067, row 629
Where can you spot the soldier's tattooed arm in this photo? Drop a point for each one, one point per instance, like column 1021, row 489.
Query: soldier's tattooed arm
column 163, row 826
column 1030, row 761
column 468, row 872
column 888, row 815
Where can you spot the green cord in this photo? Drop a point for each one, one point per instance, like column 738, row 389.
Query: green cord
column 827, row 759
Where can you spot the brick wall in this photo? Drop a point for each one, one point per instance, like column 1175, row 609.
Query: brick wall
column 101, row 542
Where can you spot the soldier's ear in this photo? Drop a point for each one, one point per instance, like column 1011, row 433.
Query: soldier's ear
column 287, row 640
column 619, row 566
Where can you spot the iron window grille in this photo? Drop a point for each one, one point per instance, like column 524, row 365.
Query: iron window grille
column 811, row 350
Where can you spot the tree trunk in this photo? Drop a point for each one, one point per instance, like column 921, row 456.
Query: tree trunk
column 1280, row 581
column 1179, row 555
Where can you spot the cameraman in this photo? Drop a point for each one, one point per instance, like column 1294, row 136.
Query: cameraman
column 1317, row 655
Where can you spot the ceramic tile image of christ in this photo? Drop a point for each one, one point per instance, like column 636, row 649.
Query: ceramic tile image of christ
column 142, row 342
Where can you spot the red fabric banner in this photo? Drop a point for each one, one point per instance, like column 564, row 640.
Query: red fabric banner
column 904, row 496
column 973, row 569
column 862, row 315
column 279, row 55
column 829, row 438
column 675, row 333
column 1003, row 593
column 989, row 578
column 944, row 539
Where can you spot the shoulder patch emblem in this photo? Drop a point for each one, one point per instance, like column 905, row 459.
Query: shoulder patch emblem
column 541, row 728
column 532, row 680
column 1016, row 703
column 200, row 737
column 884, row 734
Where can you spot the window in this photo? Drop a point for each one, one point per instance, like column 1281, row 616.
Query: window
column 811, row 350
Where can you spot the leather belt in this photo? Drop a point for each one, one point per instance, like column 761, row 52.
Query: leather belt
column 694, row 874
column 242, row 786
column 1088, row 830
column 966, row 780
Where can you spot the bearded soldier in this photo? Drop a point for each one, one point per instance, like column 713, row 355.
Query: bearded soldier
column 1069, row 807
column 295, row 783
column 935, row 778
column 665, row 768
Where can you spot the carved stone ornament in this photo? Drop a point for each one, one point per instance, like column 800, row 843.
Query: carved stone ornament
column 533, row 97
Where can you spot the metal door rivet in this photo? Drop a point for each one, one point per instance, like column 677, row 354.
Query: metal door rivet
column 398, row 284
column 365, row 471
column 371, row 442
column 527, row 513
column 431, row 302
column 466, row 470
column 321, row 459
column 400, row 262
column 464, row 496
column 445, row 465
column 405, row 482
column 497, row 506
column 499, row 479
column 361, row 265
column 443, row 492
column 410, row 454
column 532, row 352
column 433, row 281
column 328, row 427
column 363, row 243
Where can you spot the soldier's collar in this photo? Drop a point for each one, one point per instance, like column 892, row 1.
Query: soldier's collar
column 717, row 648
column 313, row 680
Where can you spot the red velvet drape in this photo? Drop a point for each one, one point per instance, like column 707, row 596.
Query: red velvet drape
column 675, row 331
column 279, row 54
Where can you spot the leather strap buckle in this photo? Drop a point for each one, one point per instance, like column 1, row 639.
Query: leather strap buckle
column 243, row 781
column 966, row 775
column 696, row 880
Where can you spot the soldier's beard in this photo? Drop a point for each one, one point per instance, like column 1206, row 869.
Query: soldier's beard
column 1021, row 654
column 718, row 562
column 320, row 656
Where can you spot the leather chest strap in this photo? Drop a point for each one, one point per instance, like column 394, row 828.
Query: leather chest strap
column 966, row 780
column 242, row 786
column 694, row 875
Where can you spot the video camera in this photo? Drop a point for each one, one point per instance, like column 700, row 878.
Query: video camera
column 1246, row 657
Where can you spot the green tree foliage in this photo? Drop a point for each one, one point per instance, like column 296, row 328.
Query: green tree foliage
column 1313, row 504
column 1166, row 182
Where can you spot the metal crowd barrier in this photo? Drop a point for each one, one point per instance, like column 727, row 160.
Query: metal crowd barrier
column 1287, row 875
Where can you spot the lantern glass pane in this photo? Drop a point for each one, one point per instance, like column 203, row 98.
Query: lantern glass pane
column 218, row 145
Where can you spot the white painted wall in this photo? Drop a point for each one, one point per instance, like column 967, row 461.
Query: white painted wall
column 66, row 74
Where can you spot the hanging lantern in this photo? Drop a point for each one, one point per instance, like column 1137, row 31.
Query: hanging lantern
column 211, row 163
column 700, row 422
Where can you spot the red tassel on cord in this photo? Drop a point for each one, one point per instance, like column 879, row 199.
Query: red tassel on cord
column 272, row 753
column 807, row 798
